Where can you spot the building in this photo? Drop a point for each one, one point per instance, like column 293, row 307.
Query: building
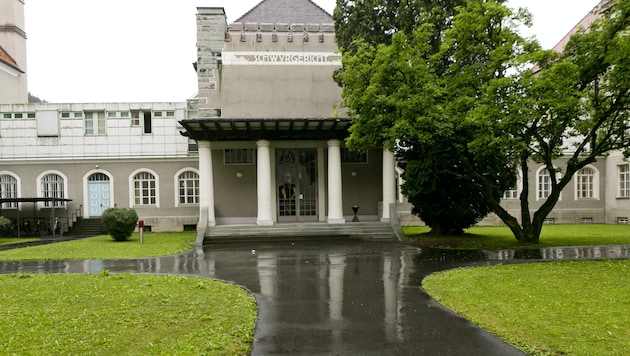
column 270, row 142
column 262, row 142
column 12, row 52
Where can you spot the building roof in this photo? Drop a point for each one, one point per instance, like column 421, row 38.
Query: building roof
column 286, row 11
column 585, row 23
column 8, row 60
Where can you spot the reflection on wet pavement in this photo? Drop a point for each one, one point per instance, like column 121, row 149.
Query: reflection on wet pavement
column 337, row 296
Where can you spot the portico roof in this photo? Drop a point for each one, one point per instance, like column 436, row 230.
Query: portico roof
column 221, row 129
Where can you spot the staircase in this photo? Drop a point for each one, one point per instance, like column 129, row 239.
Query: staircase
column 287, row 231
column 87, row 227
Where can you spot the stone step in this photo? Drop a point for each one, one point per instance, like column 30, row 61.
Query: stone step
column 363, row 230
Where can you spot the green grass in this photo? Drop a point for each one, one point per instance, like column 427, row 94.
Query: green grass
column 123, row 314
column 15, row 240
column 104, row 247
column 560, row 308
column 491, row 238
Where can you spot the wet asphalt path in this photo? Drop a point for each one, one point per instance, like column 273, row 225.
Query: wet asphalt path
column 324, row 297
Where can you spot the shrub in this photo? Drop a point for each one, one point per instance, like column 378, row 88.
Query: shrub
column 5, row 225
column 120, row 222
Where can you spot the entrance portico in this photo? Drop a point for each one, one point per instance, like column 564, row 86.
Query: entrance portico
column 298, row 173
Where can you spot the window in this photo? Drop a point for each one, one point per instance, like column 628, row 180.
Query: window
column 585, row 179
column 144, row 187
column 95, row 123
column 544, row 184
column 147, row 123
column 511, row 193
column 188, row 188
column 348, row 156
column 238, row 156
column 8, row 189
column 135, row 118
column 622, row 220
column 53, row 187
column 624, row 181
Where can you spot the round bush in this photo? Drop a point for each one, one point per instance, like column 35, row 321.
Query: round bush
column 5, row 225
column 120, row 222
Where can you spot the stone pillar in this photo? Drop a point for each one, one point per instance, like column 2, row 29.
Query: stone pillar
column 335, row 204
column 206, row 184
column 263, row 175
column 389, row 183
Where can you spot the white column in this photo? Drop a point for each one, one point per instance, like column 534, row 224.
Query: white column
column 206, row 182
column 389, row 182
column 335, row 204
column 263, row 172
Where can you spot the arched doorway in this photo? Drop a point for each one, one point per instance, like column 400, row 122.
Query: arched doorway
column 98, row 194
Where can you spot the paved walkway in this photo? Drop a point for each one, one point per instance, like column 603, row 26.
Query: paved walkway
column 333, row 297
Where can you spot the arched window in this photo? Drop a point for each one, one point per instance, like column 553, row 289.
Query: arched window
column 585, row 179
column 53, row 186
column 8, row 189
column 188, row 183
column 544, row 183
column 144, row 189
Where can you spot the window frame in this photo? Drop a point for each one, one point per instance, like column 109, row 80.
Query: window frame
column 97, row 121
column 153, row 186
column 623, row 186
column 13, row 193
column 178, row 187
column 593, row 182
column 59, row 192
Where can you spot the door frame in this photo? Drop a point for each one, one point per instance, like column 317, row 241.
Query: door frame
column 298, row 184
column 86, row 192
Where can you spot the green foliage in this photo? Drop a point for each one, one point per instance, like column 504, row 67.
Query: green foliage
column 124, row 314
column 561, row 308
column 419, row 94
column 120, row 222
column 5, row 225
column 475, row 99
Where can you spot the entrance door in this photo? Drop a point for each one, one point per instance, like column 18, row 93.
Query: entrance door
column 98, row 194
column 296, row 179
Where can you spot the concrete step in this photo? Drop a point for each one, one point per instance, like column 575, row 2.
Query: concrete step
column 361, row 230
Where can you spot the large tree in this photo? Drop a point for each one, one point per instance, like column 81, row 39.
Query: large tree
column 574, row 105
column 414, row 92
column 480, row 89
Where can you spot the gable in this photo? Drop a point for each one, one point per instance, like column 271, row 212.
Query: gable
column 286, row 11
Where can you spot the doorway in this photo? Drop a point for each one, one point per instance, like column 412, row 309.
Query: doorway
column 296, row 179
column 98, row 194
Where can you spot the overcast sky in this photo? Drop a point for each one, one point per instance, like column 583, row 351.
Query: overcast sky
column 142, row 50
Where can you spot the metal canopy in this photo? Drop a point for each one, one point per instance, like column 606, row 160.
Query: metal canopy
column 219, row 129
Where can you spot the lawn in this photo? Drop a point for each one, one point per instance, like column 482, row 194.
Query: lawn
column 15, row 240
column 104, row 247
column 123, row 314
column 560, row 308
column 500, row 237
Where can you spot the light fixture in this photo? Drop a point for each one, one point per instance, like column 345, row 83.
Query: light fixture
column 354, row 173
column 239, row 174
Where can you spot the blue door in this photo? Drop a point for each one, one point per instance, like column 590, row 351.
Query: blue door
column 98, row 194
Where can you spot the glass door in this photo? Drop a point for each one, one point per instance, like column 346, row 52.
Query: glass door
column 296, row 179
